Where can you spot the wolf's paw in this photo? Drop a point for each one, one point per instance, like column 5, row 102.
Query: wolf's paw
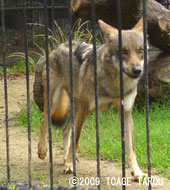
column 138, row 174
column 144, row 179
column 140, row 177
column 68, row 167
column 42, row 150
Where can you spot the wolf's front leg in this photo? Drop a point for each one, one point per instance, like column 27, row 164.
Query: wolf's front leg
column 42, row 143
column 132, row 162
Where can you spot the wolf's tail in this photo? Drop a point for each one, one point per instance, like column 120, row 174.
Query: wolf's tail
column 59, row 116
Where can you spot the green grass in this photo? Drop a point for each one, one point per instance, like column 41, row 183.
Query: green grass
column 21, row 120
column 110, row 135
column 19, row 67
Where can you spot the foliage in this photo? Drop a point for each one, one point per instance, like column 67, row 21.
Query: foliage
column 81, row 31
column 19, row 67
column 12, row 187
column 21, row 117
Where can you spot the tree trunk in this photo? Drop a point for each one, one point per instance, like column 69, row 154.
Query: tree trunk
column 159, row 76
column 158, row 67
column 158, row 17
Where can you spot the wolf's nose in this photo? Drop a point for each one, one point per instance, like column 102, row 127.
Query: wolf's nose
column 136, row 70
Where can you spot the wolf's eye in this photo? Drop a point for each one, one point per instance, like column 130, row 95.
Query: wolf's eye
column 140, row 50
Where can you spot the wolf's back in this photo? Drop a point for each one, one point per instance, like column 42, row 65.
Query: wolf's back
column 38, row 85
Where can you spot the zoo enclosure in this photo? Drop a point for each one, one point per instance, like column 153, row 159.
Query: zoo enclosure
column 14, row 25
column 45, row 12
column 57, row 11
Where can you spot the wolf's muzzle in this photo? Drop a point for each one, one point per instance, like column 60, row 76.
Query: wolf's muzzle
column 136, row 70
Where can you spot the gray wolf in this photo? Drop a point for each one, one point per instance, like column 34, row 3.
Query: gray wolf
column 108, row 86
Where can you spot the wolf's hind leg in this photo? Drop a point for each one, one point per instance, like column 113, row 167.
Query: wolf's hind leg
column 42, row 143
column 81, row 115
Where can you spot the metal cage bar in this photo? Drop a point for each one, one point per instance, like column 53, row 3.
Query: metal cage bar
column 121, row 91
column 5, row 86
column 93, row 19
column 48, row 94
column 52, row 15
column 28, row 93
column 35, row 8
column 72, row 89
column 146, row 89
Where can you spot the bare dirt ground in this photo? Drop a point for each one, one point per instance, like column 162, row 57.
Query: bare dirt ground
column 40, row 168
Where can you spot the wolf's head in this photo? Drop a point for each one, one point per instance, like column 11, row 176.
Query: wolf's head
column 132, row 48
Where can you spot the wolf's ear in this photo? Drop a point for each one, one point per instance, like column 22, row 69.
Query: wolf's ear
column 139, row 25
column 106, row 28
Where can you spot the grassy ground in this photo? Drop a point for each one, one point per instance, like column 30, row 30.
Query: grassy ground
column 110, row 138
column 18, row 67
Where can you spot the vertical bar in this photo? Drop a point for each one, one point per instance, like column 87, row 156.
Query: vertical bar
column 121, row 90
column 167, row 6
column 48, row 93
column 28, row 92
column 93, row 17
column 146, row 89
column 32, row 27
column 5, row 85
column 72, row 87
column 52, row 15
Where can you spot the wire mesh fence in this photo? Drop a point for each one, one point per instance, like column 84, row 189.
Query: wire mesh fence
column 34, row 19
column 35, row 22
